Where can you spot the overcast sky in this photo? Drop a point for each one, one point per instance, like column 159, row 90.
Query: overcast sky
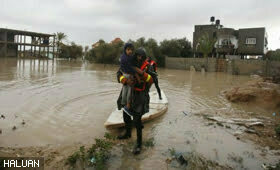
column 86, row 21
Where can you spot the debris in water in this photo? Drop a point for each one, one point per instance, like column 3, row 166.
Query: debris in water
column 14, row 128
column 168, row 160
column 0, row 131
column 251, row 131
column 220, row 124
column 182, row 160
column 23, row 122
column 240, row 122
column 92, row 160
column 185, row 113
column 228, row 127
column 2, row 116
column 256, row 124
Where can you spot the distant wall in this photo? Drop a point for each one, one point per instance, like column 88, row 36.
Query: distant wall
column 186, row 63
column 2, row 50
column 249, row 66
column 243, row 67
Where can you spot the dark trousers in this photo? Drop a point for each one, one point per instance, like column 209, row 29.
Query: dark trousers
column 155, row 79
column 138, row 125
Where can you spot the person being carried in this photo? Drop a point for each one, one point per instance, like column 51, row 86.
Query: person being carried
column 130, row 71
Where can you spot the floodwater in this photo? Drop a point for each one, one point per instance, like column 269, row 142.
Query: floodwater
column 65, row 102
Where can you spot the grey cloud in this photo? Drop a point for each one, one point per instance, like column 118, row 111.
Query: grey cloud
column 86, row 21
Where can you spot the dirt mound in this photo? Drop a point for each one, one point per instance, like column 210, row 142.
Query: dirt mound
column 265, row 93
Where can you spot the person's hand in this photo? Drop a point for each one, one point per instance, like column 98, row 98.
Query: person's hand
column 129, row 82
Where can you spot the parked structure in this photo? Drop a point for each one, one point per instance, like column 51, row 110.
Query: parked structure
column 242, row 42
column 17, row 43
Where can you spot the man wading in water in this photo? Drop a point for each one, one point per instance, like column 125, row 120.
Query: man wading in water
column 139, row 100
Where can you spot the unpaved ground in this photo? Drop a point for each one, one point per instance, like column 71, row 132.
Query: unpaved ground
column 258, row 91
column 56, row 156
column 262, row 93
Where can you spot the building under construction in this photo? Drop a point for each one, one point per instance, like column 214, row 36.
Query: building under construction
column 228, row 41
column 17, row 43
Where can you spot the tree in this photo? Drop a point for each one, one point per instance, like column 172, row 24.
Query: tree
column 206, row 45
column 60, row 37
column 273, row 55
column 185, row 47
column 170, row 48
column 72, row 51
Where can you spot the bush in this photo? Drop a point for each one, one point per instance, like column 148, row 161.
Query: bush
column 277, row 130
column 72, row 51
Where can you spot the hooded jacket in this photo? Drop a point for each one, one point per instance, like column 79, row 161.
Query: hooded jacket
column 127, row 61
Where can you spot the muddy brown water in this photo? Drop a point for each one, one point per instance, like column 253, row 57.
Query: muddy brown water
column 67, row 102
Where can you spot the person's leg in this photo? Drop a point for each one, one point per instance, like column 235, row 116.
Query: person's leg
column 138, row 124
column 128, row 101
column 157, row 87
column 128, row 123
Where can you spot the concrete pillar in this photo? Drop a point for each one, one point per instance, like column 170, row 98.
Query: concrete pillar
column 6, row 44
column 53, row 45
column 39, row 46
column 24, row 46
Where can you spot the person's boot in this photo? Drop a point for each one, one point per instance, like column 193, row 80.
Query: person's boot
column 127, row 133
column 159, row 94
column 137, row 148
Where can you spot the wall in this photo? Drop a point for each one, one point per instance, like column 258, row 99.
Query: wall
column 2, row 50
column 186, row 63
column 242, row 67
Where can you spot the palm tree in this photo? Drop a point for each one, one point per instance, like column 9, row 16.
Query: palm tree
column 206, row 45
column 60, row 37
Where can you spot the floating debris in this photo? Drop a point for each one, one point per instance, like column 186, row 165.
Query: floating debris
column 14, row 128
column 185, row 113
column 0, row 131
column 251, row 131
column 23, row 122
column 182, row 160
column 240, row 122
column 220, row 124
column 2, row 116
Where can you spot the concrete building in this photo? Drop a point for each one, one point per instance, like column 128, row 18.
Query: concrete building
column 17, row 43
column 228, row 41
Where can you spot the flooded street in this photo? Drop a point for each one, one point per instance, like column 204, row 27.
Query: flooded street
column 67, row 102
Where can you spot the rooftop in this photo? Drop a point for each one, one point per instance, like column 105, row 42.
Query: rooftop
column 28, row 33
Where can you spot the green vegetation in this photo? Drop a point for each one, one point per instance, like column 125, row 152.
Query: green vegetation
column 95, row 156
column 277, row 130
column 60, row 37
column 106, row 53
column 109, row 53
column 72, row 51
column 109, row 136
column 206, row 45
column 149, row 143
column 273, row 55
column 172, row 151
